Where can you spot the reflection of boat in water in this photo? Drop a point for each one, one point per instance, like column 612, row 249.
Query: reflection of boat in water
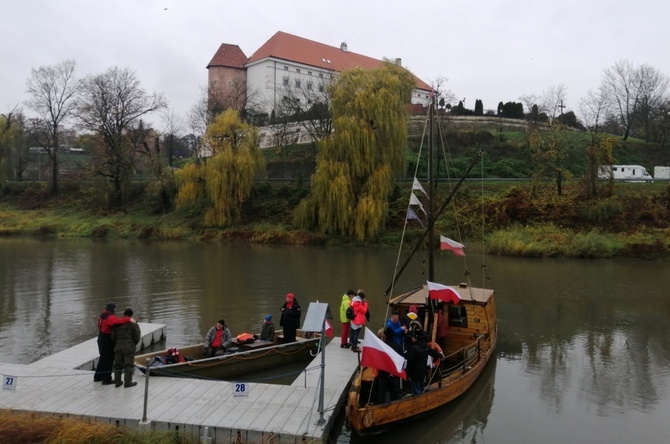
column 470, row 314
column 241, row 359
column 462, row 420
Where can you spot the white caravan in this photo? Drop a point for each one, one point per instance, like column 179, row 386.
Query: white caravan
column 625, row 173
column 662, row 173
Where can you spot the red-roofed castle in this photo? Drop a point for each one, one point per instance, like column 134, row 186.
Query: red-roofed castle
column 285, row 65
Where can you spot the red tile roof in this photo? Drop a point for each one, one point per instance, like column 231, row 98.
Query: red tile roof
column 292, row 48
column 228, row 55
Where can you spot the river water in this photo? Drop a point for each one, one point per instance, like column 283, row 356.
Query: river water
column 583, row 352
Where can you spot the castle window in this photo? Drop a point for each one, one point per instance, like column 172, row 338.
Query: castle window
column 297, row 83
column 309, row 73
column 309, row 86
column 285, row 68
column 297, row 70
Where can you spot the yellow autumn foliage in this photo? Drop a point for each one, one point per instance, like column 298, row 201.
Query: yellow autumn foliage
column 357, row 164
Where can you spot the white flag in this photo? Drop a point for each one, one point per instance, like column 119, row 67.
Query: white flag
column 417, row 186
column 413, row 200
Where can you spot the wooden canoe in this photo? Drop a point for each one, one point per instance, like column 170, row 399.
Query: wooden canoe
column 245, row 359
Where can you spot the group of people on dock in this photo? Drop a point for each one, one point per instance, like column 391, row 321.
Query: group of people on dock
column 354, row 313
column 117, row 342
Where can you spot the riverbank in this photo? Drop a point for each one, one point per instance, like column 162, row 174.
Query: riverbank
column 17, row 427
column 633, row 222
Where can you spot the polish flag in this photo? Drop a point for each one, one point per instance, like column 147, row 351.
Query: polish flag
column 450, row 244
column 380, row 356
column 329, row 329
column 443, row 293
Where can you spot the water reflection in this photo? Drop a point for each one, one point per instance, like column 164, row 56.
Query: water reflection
column 583, row 351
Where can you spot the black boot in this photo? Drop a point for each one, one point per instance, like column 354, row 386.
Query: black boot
column 117, row 379
column 128, row 377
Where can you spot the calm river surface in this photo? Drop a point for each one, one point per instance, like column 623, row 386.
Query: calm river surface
column 583, row 353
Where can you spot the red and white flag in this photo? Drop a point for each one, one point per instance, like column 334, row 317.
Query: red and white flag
column 450, row 244
column 378, row 355
column 329, row 329
column 443, row 293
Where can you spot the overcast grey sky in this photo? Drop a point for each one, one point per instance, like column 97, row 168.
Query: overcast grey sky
column 494, row 50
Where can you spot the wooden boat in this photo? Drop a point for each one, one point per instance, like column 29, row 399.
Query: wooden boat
column 470, row 344
column 241, row 359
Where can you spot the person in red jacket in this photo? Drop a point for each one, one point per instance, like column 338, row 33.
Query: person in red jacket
column 360, row 307
column 106, row 320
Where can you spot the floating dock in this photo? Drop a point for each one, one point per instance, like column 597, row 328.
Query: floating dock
column 213, row 411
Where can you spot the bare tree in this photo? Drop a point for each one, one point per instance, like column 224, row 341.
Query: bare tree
column 111, row 104
column 553, row 100
column 653, row 93
column 53, row 92
column 446, row 96
column 621, row 86
column 172, row 128
column 592, row 109
column 307, row 101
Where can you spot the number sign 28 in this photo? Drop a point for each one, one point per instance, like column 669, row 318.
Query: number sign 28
column 241, row 389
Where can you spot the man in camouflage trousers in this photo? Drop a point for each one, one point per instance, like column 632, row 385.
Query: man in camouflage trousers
column 125, row 338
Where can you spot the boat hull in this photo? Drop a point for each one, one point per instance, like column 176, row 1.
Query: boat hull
column 367, row 418
column 230, row 366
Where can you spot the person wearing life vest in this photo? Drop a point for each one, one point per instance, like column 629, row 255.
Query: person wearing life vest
column 107, row 320
column 218, row 339
column 346, row 302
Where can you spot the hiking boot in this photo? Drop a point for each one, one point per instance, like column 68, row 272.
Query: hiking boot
column 107, row 382
column 128, row 378
column 117, row 379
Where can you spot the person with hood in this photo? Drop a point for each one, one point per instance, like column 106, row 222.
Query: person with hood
column 290, row 317
column 107, row 320
column 346, row 302
column 360, row 307
column 125, row 338
column 268, row 329
column 218, row 339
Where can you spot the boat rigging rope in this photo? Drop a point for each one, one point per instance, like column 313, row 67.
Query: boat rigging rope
column 404, row 227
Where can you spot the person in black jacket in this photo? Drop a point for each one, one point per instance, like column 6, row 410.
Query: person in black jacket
column 417, row 361
column 290, row 317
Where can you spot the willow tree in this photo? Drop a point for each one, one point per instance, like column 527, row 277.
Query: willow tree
column 227, row 177
column 357, row 164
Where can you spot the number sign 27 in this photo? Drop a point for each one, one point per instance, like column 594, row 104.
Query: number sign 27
column 9, row 382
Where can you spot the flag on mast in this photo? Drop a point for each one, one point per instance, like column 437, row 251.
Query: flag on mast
column 411, row 215
column 328, row 329
column 450, row 244
column 417, row 186
column 443, row 293
column 376, row 354
column 413, row 200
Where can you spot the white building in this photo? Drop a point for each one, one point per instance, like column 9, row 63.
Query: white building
column 285, row 69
